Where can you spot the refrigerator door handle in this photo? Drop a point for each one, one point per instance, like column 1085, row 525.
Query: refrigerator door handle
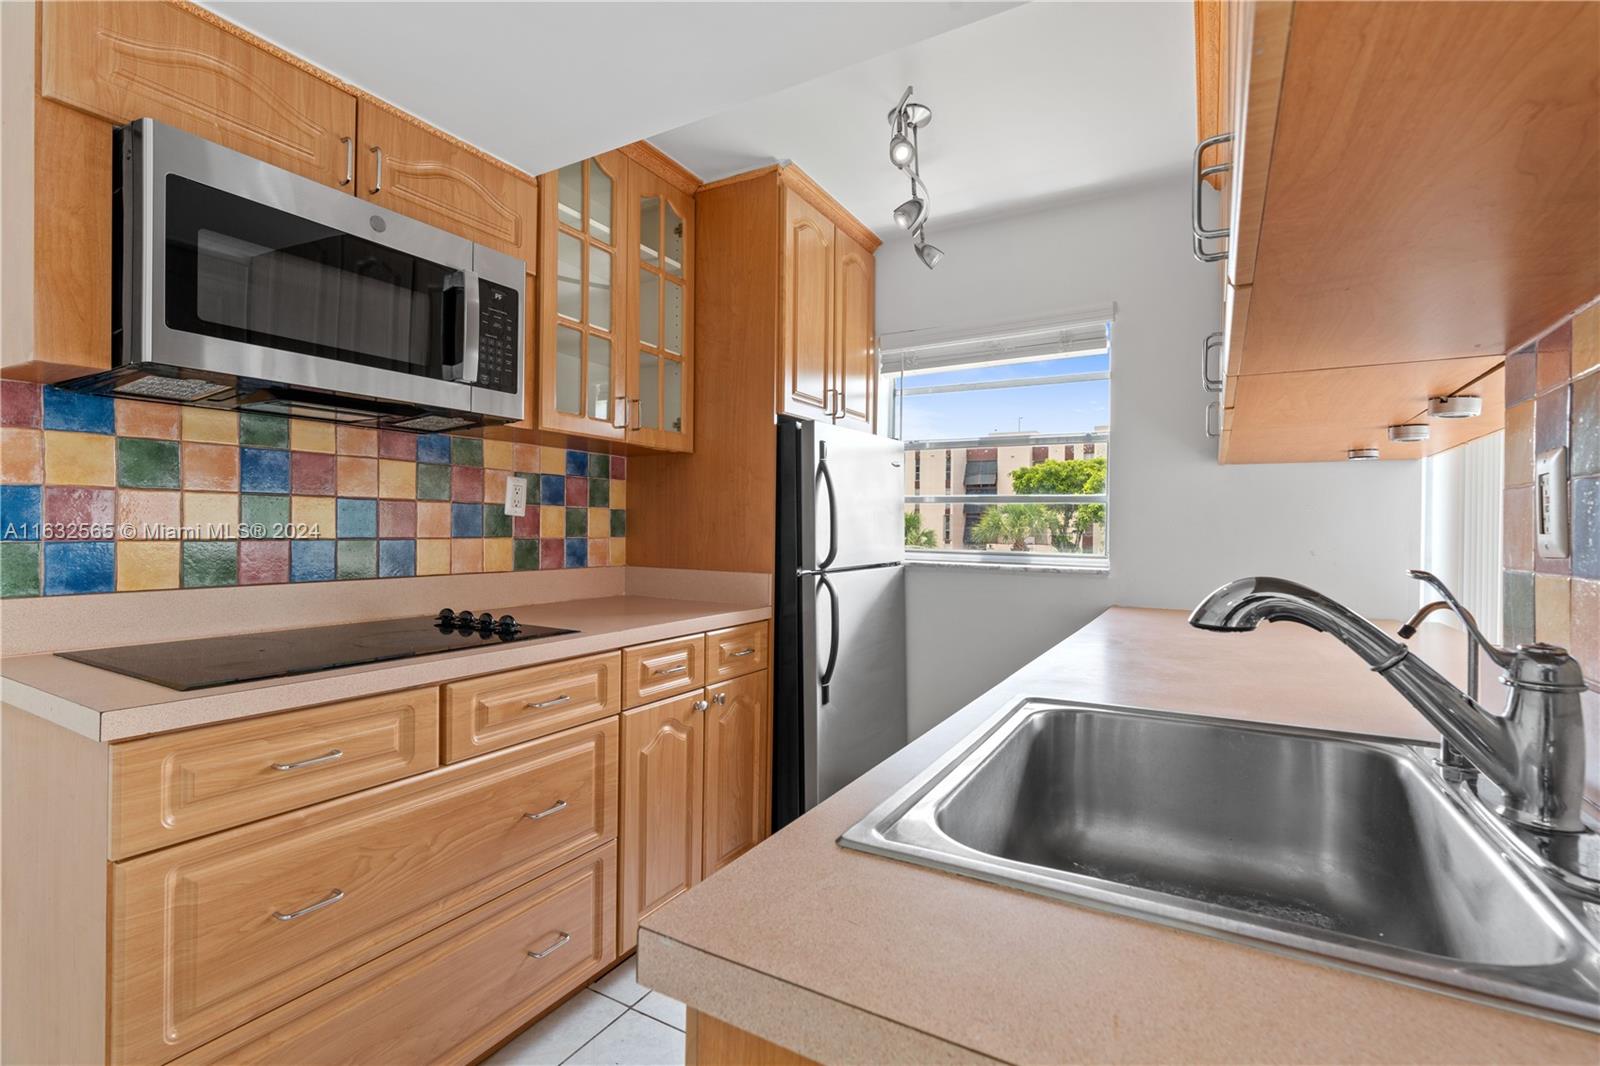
column 826, row 677
column 826, row 478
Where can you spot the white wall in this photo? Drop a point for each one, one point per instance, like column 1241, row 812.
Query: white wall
column 1180, row 523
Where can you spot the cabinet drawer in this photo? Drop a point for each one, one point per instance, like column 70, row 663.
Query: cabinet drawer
column 212, row 933
column 665, row 668
column 372, row 1013
column 489, row 713
column 735, row 652
column 170, row 788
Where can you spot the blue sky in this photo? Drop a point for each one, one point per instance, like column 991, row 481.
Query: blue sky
column 1071, row 408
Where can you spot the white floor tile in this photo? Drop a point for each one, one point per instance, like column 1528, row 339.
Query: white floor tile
column 559, row 1033
column 632, row 1040
column 621, row 984
column 662, row 1009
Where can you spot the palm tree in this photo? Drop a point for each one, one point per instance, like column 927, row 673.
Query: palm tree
column 1017, row 523
column 916, row 536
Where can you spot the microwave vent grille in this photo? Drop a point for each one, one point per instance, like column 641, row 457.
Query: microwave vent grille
column 432, row 423
column 183, row 390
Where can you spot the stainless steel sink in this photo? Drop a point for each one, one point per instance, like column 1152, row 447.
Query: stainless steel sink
column 1353, row 849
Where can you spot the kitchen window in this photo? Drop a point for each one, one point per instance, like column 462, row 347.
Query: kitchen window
column 1021, row 417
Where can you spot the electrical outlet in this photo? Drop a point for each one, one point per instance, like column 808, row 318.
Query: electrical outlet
column 516, row 496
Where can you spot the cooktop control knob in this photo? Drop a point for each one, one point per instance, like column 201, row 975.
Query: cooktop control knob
column 486, row 622
column 507, row 626
column 466, row 618
column 446, row 617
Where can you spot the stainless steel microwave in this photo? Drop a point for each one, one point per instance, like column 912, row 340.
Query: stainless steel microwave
column 239, row 284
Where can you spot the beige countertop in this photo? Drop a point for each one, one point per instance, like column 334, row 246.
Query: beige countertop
column 848, row 957
column 108, row 706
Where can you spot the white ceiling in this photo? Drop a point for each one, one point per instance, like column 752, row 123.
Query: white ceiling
column 543, row 84
column 1037, row 103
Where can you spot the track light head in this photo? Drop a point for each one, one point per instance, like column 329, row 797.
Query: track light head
column 908, row 214
column 929, row 254
column 901, row 151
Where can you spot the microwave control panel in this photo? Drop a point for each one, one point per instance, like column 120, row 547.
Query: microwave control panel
column 499, row 335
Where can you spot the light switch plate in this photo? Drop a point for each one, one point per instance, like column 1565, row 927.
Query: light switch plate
column 516, row 496
column 1550, row 526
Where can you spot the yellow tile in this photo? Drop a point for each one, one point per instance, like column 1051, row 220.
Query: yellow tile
column 433, row 520
column 433, row 557
column 1586, row 341
column 498, row 455
column 552, row 521
column 599, row 521
column 210, row 515
column 525, row 458
column 466, row 555
column 619, row 551
column 21, row 456
column 397, row 479
column 312, row 517
column 306, row 435
column 497, row 555
column 619, row 495
column 599, row 554
column 552, row 461
column 79, row 458
column 213, row 427
column 148, row 564
column 1552, row 609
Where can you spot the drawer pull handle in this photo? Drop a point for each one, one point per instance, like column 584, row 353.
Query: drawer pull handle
column 561, row 805
column 336, row 753
column 333, row 897
column 742, row 654
column 668, row 671
column 554, row 702
column 561, row 942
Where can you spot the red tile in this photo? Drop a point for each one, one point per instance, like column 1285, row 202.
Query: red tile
column 312, row 473
column 397, row 518
column 79, row 514
column 392, row 444
column 263, row 562
column 1555, row 357
column 466, row 484
column 19, row 404
column 526, row 525
column 577, row 492
column 619, row 468
column 552, row 553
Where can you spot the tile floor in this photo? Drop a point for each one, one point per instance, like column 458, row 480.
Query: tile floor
column 616, row 1021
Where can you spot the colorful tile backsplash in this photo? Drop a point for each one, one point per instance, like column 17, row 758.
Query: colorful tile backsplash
column 101, row 495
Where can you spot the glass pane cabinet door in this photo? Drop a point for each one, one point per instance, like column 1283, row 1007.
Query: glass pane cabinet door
column 660, row 377
column 579, row 363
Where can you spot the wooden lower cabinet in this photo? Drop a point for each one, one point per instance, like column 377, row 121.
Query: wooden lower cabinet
column 712, row 1042
column 448, row 996
column 738, row 788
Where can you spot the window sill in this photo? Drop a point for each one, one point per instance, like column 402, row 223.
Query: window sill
column 1087, row 566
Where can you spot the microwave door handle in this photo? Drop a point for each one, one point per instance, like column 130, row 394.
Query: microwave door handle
column 467, row 366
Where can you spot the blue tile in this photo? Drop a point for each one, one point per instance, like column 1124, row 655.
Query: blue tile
column 397, row 558
column 433, row 448
column 73, row 567
column 263, row 470
column 311, row 560
column 19, row 512
column 1586, row 527
column 577, row 552
column 79, row 411
column 577, row 464
column 357, row 518
column 553, row 489
column 466, row 519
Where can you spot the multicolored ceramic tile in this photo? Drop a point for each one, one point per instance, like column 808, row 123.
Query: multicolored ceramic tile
column 466, row 484
column 147, row 464
column 397, row 558
column 357, row 559
column 211, row 427
column 140, row 418
column 79, row 412
column 308, row 436
column 210, row 563
column 21, row 456
column 74, row 458
column 397, row 518
column 263, row 470
column 264, row 562
column 355, row 440
column 357, row 518
column 79, row 513
column 210, row 516
column 19, row 569
column 78, row 567
column 433, row 557
column 148, row 564
column 466, row 556
column 397, row 479
column 313, row 474
column 497, row 554
column 357, row 475
column 311, row 560
column 214, row 467
column 433, row 481
column 433, row 519
column 313, row 517
column 264, row 431
column 20, row 405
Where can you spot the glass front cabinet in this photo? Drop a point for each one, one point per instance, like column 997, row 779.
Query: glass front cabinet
column 660, row 370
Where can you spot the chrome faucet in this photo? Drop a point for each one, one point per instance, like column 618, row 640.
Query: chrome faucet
column 1533, row 750
column 1455, row 764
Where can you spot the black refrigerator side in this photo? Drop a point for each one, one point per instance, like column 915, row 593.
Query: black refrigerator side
column 788, row 660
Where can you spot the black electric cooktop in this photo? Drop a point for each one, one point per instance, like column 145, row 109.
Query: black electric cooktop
column 211, row 661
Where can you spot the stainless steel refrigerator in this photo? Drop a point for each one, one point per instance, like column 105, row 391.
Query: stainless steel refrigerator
column 839, row 682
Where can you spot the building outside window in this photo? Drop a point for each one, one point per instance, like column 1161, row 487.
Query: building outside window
column 1022, row 416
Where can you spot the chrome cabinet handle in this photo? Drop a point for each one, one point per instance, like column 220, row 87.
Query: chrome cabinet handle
column 349, row 159
column 560, row 805
column 830, row 402
column 336, row 753
column 377, row 175
column 553, row 702
column 332, row 897
column 742, row 653
column 620, row 419
column 638, row 415
column 1213, row 344
column 561, row 941
column 699, row 705
column 1200, row 231
column 720, row 699
column 1214, row 405
column 668, row 671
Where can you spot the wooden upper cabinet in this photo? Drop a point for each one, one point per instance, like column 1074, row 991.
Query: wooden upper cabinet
column 805, row 328
column 738, row 788
column 407, row 167
column 855, row 338
column 660, row 281
column 122, row 61
column 663, row 766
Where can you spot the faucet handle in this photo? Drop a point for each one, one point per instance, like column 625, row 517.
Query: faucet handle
column 1501, row 656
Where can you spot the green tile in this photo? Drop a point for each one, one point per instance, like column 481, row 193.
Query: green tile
column 599, row 492
column 525, row 555
column 210, row 563
column 263, row 431
column 264, row 516
column 19, row 568
column 466, row 451
column 577, row 521
column 147, row 464
column 619, row 522
column 358, row 558
column 496, row 523
column 599, row 465
column 433, row 481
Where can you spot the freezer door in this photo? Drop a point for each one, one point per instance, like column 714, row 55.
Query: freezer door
column 863, row 721
column 852, row 495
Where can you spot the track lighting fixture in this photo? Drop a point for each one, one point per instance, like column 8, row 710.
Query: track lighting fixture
column 905, row 119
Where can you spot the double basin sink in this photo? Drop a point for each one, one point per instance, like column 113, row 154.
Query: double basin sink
column 1354, row 850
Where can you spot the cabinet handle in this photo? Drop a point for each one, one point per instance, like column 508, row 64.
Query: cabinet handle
column 740, row 654
column 560, row 805
column 668, row 671
column 314, row 761
column 561, row 941
column 1214, row 405
column 620, row 420
column 553, row 702
column 1201, row 233
column 830, row 401
column 699, row 705
column 638, row 415
column 377, row 175
column 1213, row 344
column 349, row 159
column 720, row 699
column 333, row 897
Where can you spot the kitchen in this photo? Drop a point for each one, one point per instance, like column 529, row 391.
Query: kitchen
column 533, row 552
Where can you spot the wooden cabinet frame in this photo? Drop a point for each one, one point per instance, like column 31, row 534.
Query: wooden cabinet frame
column 644, row 183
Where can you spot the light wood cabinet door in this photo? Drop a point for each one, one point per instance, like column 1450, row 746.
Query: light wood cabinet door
column 660, row 283
column 122, row 61
column 567, row 918
column 738, row 727
column 805, row 328
column 211, row 933
column 488, row 713
column 408, row 168
column 855, row 337
column 663, row 765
